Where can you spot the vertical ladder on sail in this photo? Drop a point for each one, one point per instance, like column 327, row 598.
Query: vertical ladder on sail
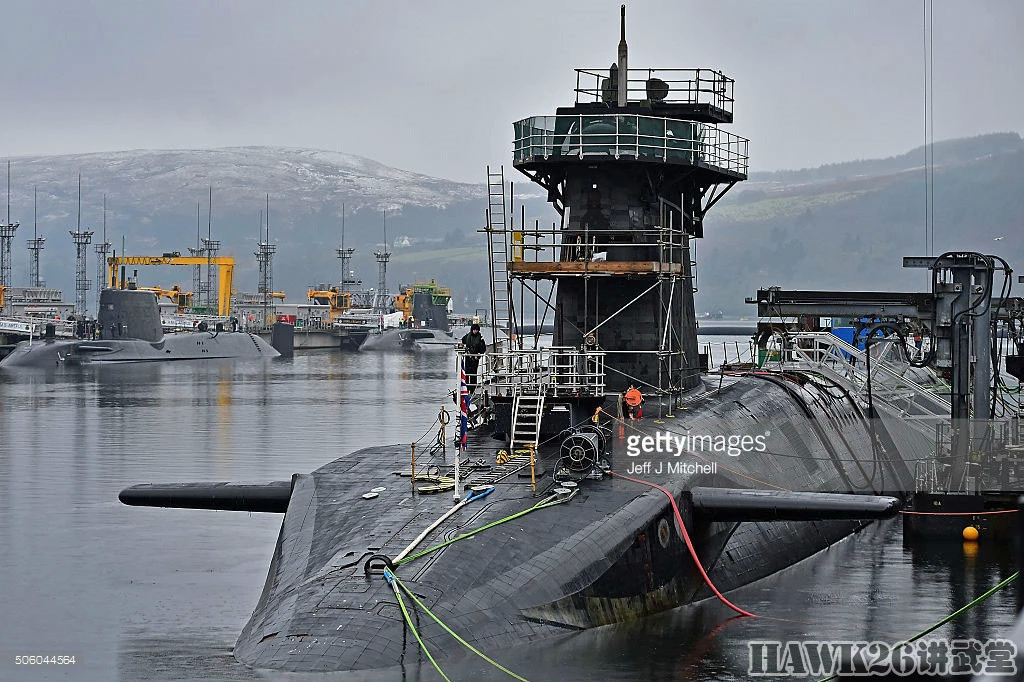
column 497, row 251
column 527, row 409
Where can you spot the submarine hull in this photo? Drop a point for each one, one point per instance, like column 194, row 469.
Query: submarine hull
column 415, row 340
column 612, row 553
column 131, row 331
column 186, row 346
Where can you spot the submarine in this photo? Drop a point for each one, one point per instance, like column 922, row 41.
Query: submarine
column 602, row 479
column 426, row 326
column 130, row 331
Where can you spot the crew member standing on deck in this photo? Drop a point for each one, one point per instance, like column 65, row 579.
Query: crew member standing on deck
column 475, row 346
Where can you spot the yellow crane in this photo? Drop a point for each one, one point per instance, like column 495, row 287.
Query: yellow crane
column 225, row 272
column 333, row 297
column 182, row 299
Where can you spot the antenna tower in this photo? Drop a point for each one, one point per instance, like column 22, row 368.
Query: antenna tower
column 265, row 259
column 380, row 304
column 102, row 249
column 35, row 245
column 82, row 239
column 197, row 271
column 7, row 231
column 345, row 255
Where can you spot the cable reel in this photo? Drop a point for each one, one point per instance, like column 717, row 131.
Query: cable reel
column 581, row 453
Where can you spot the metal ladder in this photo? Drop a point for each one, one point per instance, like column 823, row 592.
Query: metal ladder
column 497, row 252
column 527, row 409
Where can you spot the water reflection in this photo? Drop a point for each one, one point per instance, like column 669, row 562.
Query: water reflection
column 162, row 594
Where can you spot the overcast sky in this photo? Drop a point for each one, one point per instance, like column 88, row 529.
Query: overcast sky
column 434, row 87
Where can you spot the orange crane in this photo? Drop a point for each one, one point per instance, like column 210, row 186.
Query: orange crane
column 338, row 301
column 182, row 299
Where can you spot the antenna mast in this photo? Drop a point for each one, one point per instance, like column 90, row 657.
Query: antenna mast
column 101, row 259
column 7, row 231
column 36, row 244
column 81, row 240
column 210, row 247
column 380, row 304
column 264, row 259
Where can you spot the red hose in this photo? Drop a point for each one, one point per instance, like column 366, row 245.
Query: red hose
column 689, row 545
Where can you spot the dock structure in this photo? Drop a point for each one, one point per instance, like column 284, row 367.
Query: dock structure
column 935, row 358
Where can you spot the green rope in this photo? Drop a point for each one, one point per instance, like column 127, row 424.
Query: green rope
column 408, row 621
column 947, row 618
column 539, row 505
column 453, row 634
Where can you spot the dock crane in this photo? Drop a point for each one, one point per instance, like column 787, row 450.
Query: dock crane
column 225, row 272
column 181, row 299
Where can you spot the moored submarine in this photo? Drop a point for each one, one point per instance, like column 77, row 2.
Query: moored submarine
column 130, row 331
column 603, row 479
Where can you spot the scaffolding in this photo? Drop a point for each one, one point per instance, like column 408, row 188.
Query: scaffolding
column 598, row 259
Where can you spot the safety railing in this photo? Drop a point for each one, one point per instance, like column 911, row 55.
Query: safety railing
column 554, row 371
column 632, row 137
column 668, row 86
column 190, row 323
column 725, row 353
column 35, row 326
column 889, row 381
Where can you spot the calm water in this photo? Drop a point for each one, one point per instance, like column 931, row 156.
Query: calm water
column 139, row 593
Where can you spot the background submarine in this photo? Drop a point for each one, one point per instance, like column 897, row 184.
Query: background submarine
column 130, row 331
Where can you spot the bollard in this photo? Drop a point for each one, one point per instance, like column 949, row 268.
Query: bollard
column 533, row 477
column 413, row 478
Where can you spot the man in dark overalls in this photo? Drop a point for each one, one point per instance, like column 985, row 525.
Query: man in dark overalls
column 475, row 346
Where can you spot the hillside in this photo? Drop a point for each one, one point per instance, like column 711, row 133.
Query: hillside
column 844, row 225
column 848, row 226
column 152, row 198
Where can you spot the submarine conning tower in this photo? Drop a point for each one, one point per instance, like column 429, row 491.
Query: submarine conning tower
column 129, row 314
column 632, row 168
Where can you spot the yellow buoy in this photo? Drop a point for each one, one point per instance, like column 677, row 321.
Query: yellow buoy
column 970, row 533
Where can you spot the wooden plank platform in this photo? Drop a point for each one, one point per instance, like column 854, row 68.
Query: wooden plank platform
column 594, row 268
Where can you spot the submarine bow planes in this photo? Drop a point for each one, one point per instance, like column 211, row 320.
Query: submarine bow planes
column 603, row 478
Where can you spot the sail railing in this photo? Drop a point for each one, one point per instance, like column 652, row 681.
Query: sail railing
column 726, row 353
column 823, row 351
column 555, row 371
column 650, row 138
column 678, row 86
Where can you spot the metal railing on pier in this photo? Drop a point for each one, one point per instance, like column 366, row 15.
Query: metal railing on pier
column 35, row 327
